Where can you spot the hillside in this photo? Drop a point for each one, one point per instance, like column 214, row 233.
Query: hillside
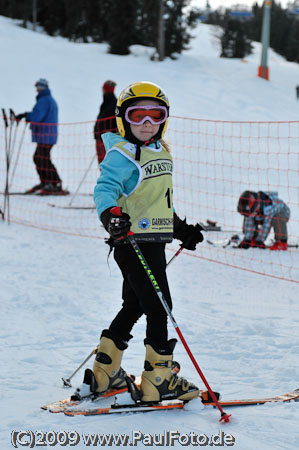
column 199, row 83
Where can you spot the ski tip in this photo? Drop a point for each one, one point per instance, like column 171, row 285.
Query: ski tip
column 225, row 417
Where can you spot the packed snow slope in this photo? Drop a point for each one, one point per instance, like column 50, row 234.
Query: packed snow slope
column 199, row 83
column 58, row 293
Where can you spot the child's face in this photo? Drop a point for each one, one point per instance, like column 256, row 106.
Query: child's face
column 147, row 130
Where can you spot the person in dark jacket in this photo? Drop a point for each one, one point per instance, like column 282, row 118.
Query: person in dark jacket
column 107, row 111
column 262, row 211
column 43, row 123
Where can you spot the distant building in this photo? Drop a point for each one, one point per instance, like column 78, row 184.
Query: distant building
column 293, row 9
column 204, row 13
column 240, row 12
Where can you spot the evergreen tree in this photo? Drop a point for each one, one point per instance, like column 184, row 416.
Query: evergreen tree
column 121, row 21
column 253, row 27
column 176, row 26
column 146, row 25
column 234, row 42
column 292, row 45
column 52, row 16
column 280, row 28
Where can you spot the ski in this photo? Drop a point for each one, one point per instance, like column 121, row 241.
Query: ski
column 293, row 395
column 92, row 410
column 212, row 226
column 224, row 243
column 61, row 193
column 91, row 403
column 70, row 207
column 221, row 243
column 127, row 408
column 60, row 405
column 34, row 194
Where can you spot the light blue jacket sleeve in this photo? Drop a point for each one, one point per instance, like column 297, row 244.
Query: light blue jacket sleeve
column 119, row 176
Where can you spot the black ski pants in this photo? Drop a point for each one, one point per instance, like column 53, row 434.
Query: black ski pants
column 139, row 296
column 44, row 166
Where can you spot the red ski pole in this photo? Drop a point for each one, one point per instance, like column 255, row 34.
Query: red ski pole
column 174, row 256
column 224, row 417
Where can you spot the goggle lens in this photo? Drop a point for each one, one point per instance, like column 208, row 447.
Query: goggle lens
column 137, row 115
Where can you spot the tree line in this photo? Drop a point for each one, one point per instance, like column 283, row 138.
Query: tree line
column 238, row 34
column 122, row 23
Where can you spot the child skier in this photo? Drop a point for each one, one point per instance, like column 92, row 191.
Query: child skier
column 134, row 192
column 262, row 211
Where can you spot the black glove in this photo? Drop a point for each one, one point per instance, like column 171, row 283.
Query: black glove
column 20, row 116
column 190, row 235
column 245, row 244
column 116, row 222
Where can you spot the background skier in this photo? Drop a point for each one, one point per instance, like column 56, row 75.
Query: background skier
column 44, row 119
column 262, row 211
column 107, row 109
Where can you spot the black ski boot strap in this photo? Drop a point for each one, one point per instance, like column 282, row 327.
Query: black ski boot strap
column 134, row 390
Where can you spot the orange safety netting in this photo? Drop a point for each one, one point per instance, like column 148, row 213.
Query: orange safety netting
column 214, row 162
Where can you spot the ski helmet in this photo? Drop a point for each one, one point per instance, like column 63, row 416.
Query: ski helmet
column 142, row 90
column 248, row 203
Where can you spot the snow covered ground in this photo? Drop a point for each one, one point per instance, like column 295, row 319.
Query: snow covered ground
column 58, row 293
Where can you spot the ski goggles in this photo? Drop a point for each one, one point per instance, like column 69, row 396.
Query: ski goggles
column 137, row 115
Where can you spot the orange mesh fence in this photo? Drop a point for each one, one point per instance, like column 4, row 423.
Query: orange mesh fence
column 214, row 162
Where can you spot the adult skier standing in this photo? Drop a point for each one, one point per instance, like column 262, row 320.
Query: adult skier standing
column 43, row 123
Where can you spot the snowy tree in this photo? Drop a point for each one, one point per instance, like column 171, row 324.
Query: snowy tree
column 234, row 42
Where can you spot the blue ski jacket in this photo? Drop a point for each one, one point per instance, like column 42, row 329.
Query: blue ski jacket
column 44, row 119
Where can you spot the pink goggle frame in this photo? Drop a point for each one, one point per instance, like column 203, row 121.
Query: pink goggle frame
column 137, row 115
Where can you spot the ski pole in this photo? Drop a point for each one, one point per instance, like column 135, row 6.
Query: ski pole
column 7, row 145
column 13, row 120
column 5, row 138
column 203, row 228
column 18, row 155
column 83, row 179
column 67, row 381
column 174, row 256
column 130, row 235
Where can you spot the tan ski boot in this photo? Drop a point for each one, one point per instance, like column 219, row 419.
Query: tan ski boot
column 158, row 382
column 106, row 367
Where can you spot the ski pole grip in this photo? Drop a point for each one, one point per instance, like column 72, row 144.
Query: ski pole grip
column 4, row 117
column 12, row 114
column 116, row 211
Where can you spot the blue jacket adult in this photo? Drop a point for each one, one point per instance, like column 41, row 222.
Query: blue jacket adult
column 44, row 119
